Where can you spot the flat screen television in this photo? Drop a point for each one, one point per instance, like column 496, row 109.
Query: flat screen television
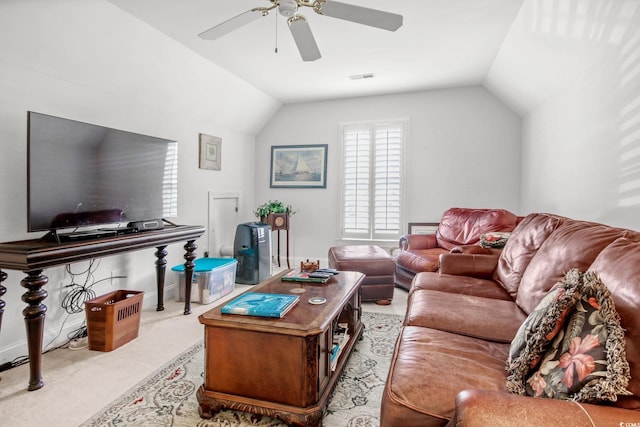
column 81, row 174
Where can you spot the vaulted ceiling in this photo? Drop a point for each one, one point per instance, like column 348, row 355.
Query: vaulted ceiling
column 442, row 43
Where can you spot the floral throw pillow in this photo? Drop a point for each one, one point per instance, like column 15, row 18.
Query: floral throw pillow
column 586, row 361
column 495, row 239
column 540, row 328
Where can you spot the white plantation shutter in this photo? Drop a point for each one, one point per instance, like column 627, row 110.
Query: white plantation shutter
column 387, row 172
column 372, row 180
column 357, row 166
column 170, row 183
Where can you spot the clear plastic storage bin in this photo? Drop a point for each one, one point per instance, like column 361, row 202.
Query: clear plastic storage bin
column 212, row 279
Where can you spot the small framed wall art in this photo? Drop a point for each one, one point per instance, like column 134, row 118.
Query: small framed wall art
column 210, row 152
column 299, row 166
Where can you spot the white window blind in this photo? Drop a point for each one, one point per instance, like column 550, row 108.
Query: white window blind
column 372, row 180
column 170, row 183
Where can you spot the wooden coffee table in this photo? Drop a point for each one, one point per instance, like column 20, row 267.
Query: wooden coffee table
column 280, row 367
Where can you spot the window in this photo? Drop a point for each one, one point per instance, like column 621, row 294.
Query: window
column 372, row 177
column 170, row 183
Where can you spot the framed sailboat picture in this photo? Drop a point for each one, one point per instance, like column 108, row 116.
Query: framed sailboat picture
column 299, row 166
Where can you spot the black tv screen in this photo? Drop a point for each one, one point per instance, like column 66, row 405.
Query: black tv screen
column 81, row 174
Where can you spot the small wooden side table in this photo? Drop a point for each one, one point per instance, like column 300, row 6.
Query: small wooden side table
column 279, row 222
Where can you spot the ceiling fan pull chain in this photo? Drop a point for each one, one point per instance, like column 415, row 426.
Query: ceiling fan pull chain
column 276, row 21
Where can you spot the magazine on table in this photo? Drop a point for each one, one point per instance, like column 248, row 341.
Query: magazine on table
column 261, row 304
column 340, row 339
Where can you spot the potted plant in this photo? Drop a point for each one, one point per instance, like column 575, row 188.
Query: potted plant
column 275, row 213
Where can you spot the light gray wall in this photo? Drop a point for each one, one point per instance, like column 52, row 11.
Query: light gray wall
column 572, row 68
column 463, row 149
column 90, row 61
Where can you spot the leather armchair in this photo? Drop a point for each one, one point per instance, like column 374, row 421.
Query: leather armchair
column 458, row 227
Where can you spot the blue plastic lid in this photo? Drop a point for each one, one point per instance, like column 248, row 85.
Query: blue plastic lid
column 206, row 264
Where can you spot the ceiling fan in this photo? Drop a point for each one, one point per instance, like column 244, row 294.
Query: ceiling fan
column 299, row 26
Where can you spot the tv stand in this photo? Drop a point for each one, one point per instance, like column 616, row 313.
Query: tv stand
column 33, row 256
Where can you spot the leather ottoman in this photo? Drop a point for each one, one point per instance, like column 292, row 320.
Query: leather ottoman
column 372, row 261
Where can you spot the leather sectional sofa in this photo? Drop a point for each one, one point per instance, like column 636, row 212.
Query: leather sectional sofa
column 448, row 365
column 458, row 226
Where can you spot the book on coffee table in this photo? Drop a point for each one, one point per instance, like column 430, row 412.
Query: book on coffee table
column 261, row 304
column 303, row 276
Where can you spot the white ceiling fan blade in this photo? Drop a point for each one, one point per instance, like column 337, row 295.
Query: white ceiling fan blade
column 360, row 15
column 231, row 24
column 303, row 37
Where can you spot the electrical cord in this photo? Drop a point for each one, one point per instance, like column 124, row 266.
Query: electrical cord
column 21, row 360
column 73, row 303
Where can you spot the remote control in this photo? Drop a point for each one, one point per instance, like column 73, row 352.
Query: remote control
column 331, row 271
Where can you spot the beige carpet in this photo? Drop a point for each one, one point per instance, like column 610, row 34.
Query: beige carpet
column 167, row 397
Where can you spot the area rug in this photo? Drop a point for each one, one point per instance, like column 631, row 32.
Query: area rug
column 168, row 396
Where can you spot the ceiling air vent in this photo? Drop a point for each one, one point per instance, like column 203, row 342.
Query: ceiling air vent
column 362, row 76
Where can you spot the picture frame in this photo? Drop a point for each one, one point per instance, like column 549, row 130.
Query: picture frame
column 299, row 166
column 210, row 152
column 422, row 227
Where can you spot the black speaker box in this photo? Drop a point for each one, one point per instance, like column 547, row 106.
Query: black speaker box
column 152, row 224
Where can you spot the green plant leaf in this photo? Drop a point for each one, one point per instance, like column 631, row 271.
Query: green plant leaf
column 273, row 206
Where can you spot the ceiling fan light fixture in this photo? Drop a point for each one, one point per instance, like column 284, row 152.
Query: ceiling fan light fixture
column 288, row 8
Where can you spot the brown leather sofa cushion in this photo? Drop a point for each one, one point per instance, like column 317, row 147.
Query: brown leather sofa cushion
column 574, row 244
column 482, row 408
column 617, row 266
column 485, row 318
column 447, row 363
column 523, row 244
column 463, row 226
column 469, row 264
column 459, row 285
column 417, row 260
